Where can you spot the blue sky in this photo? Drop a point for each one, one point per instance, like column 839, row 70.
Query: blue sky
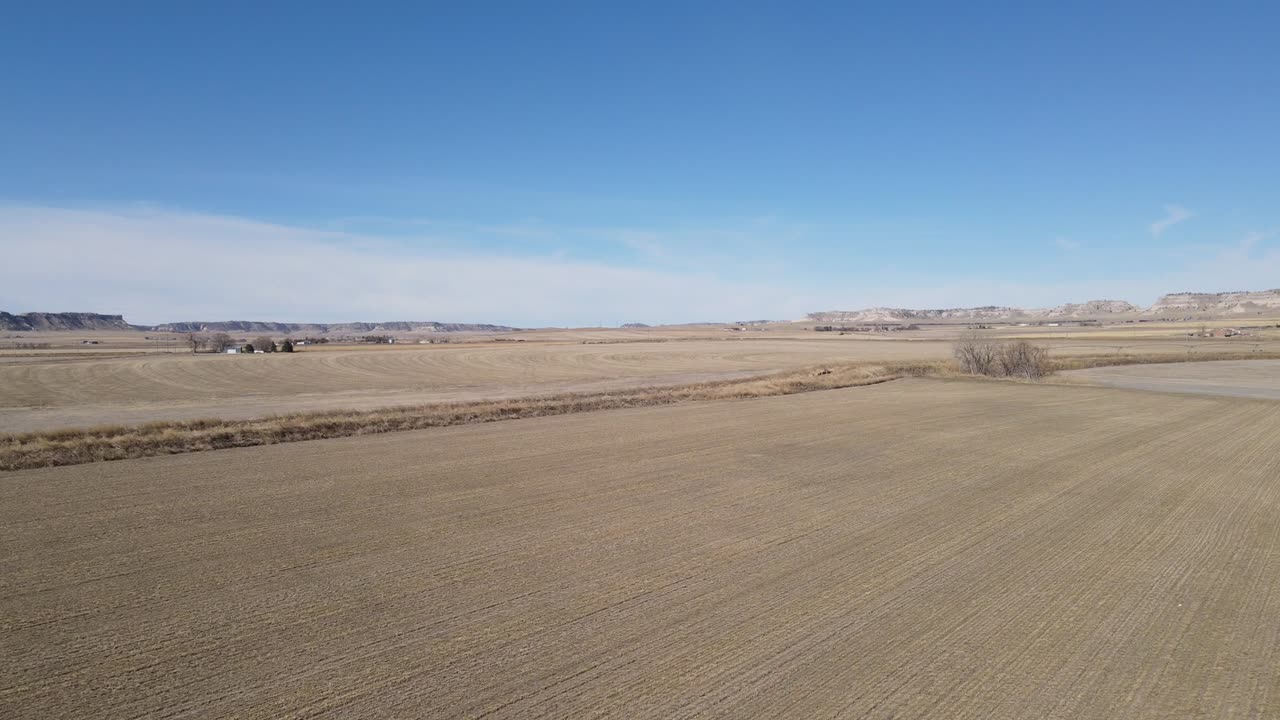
column 567, row 164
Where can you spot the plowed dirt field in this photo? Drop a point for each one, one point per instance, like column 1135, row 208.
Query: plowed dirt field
column 41, row 394
column 1235, row 378
column 919, row 549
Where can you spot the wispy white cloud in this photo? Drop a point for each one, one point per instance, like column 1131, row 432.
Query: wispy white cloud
column 1173, row 214
column 156, row 265
column 1250, row 263
column 1251, row 240
column 1249, row 256
column 648, row 245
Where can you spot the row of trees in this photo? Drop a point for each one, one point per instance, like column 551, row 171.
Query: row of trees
column 266, row 344
column 221, row 342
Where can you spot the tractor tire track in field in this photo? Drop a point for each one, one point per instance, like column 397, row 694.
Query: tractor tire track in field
column 922, row 549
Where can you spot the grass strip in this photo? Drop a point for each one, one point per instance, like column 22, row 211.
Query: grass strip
column 75, row 446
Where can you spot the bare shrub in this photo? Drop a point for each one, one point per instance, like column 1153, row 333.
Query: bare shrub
column 1022, row 359
column 976, row 353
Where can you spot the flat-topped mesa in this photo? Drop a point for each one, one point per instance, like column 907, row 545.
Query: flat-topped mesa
column 355, row 328
column 893, row 315
column 1090, row 309
column 94, row 321
column 1173, row 305
column 244, row 326
column 1245, row 302
column 62, row 321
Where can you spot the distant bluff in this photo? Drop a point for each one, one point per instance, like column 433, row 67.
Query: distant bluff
column 1226, row 304
column 1090, row 309
column 94, row 321
column 1243, row 302
column 356, row 328
column 62, row 321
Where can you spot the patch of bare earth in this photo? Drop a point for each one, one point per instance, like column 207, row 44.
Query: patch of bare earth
column 1236, row 378
column 918, row 549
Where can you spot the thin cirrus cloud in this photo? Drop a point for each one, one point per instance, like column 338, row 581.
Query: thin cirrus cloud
column 159, row 266
column 1174, row 214
column 1066, row 244
column 154, row 265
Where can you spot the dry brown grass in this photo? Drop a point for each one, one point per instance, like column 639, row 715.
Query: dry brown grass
column 74, row 446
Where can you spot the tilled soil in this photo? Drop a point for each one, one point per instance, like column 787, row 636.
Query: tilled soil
column 1235, row 378
column 90, row 391
column 918, row 549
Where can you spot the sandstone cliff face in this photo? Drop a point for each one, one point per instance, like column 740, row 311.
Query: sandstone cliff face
column 1174, row 305
column 62, row 321
column 254, row 326
column 1217, row 304
column 94, row 321
column 1091, row 309
column 240, row 326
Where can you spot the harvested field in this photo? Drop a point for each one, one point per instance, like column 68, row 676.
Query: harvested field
column 50, row 393
column 918, row 549
column 74, row 446
column 85, row 392
column 211, row 377
column 1236, row 378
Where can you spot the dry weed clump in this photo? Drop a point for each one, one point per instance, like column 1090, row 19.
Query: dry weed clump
column 979, row 355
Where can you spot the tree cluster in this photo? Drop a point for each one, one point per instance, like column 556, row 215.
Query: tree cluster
column 980, row 355
column 221, row 342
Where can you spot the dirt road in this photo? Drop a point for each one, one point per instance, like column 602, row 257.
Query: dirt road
column 922, row 549
column 1234, row 378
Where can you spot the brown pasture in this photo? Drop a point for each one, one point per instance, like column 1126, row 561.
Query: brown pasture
column 918, row 549
column 49, row 391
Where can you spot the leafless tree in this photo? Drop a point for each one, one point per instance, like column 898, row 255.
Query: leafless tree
column 1023, row 360
column 220, row 342
column 976, row 353
column 195, row 341
column 980, row 355
column 264, row 344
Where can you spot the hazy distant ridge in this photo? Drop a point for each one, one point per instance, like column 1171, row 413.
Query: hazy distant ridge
column 62, row 321
column 95, row 321
column 1227, row 303
column 1174, row 304
column 1182, row 304
column 322, row 328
